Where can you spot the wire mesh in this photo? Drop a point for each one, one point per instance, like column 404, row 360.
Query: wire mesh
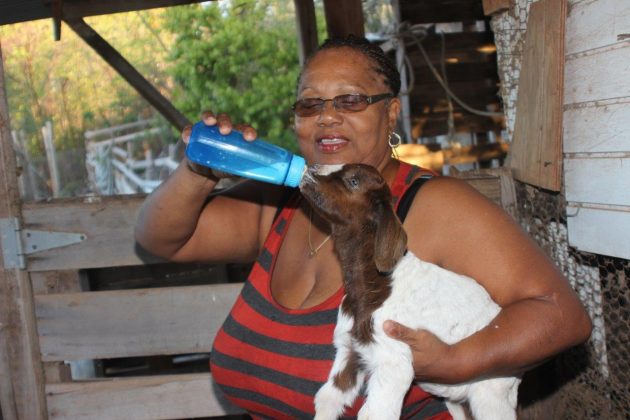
column 593, row 380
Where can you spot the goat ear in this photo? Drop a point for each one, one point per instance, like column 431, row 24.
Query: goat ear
column 391, row 240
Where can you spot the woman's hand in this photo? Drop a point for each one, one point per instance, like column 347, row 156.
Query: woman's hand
column 429, row 352
column 224, row 123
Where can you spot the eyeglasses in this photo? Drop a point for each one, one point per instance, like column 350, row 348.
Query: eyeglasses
column 309, row 107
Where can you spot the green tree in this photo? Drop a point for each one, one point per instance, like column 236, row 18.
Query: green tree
column 240, row 58
column 67, row 83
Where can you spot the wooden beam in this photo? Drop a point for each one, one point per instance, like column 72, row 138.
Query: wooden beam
column 136, row 322
column 128, row 72
column 344, row 18
column 22, row 378
column 306, row 28
column 26, row 10
column 140, row 398
column 491, row 7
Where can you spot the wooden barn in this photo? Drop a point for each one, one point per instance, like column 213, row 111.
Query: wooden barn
column 553, row 76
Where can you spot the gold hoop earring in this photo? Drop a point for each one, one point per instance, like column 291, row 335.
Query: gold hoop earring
column 397, row 140
column 394, row 144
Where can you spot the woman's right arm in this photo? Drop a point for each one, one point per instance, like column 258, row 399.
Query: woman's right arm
column 178, row 221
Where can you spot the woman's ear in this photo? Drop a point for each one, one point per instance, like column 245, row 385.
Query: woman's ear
column 393, row 112
column 390, row 242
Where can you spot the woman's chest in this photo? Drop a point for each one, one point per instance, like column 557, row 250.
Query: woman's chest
column 306, row 271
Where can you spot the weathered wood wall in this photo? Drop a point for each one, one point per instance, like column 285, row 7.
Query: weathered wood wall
column 21, row 381
column 597, row 126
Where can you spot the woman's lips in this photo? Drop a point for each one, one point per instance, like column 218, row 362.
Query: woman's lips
column 331, row 144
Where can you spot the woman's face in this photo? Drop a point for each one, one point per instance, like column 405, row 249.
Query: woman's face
column 331, row 136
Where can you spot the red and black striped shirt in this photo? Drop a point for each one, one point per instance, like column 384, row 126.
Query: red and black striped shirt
column 271, row 360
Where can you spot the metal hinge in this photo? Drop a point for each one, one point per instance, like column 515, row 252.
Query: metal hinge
column 17, row 243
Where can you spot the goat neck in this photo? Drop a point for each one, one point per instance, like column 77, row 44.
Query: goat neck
column 366, row 288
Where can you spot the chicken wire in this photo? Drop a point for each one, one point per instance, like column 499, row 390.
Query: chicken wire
column 592, row 380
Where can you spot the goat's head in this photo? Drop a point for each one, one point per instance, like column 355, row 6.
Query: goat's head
column 355, row 200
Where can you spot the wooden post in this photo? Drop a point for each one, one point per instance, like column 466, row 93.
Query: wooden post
column 128, row 72
column 22, row 381
column 51, row 156
column 24, row 175
column 33, row 175
column 306, row 28
column 344, row 17
column 149, row 172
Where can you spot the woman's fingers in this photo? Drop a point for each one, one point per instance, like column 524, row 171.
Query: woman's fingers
column 249, row 133
column 186, row 133
column 224, row 122
column 225, row 125
column 208, row 118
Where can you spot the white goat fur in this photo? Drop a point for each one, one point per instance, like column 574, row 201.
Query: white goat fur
column 423, row 296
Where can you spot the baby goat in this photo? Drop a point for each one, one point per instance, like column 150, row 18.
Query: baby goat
column 383, row 281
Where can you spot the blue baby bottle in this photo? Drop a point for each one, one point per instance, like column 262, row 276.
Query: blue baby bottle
column 233, row 154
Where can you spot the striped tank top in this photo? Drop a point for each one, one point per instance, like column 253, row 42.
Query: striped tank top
column 270, row 360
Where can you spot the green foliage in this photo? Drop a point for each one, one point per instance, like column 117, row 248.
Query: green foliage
column 238, row 58
column 67, row 83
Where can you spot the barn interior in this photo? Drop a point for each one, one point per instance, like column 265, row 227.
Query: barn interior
column 458, row 119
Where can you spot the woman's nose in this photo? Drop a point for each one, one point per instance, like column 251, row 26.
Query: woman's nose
column 329, row 113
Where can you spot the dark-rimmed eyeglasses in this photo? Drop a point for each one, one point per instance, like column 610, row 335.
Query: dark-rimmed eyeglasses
column 309, row 107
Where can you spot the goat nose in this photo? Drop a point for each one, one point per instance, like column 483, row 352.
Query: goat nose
column 308, row 177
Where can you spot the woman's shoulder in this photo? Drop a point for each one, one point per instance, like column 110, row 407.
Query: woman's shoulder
column 440, row 191
column 447, row 208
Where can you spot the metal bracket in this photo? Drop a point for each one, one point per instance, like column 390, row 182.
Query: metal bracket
column 17, row 243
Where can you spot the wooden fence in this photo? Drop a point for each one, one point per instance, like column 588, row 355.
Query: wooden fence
column 112, row 159
column 76, row 325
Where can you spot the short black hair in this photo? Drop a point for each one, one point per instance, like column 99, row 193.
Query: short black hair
column 383, row 64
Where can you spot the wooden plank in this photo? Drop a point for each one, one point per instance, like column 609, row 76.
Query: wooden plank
column 8, row 398
column 46, row 282
column 107, row 222
column 344, row 18
column 22, row 377
column 140, row 322
column 486, row 183
column 597, row 75
column 56, row 282
column 599, row 127
column 491, row 7
column 140, row 398
column 596, row 24
column 128, row 72
column 306, row 28
column 536, row 151
column 599, row 230
column 25, row 10
column 602, row 179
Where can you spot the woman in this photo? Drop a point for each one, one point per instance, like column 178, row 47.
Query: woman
column 274, row 350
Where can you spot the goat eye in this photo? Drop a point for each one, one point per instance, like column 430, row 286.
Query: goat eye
column 353, row 183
